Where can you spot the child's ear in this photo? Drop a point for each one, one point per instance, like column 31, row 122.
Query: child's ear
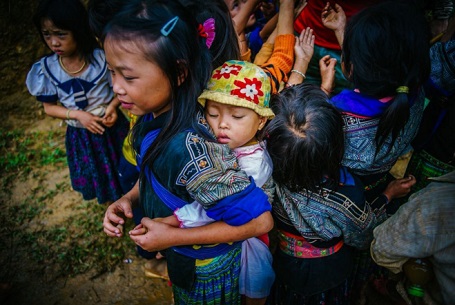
column 262, row 121
column 183, row 71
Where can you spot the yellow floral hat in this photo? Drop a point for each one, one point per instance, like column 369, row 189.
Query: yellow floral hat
column 240, row 83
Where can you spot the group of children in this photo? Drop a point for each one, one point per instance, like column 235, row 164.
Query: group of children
column 221, row 150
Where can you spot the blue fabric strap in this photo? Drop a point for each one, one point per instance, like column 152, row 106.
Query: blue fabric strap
column 358, row 104
column 173, row 202
column 170, row 200
column 241, row 207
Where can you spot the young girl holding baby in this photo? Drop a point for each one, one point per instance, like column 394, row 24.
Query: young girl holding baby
column 160, row 64
column 75, row 75
column 236, row 103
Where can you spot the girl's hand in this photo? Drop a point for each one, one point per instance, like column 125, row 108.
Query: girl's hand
column 304, row 46
column 91, row 122
column 152, row 235
column 333, row 17
column 399, row 187
column 110, row 117
column 138, row 230
column 327, row 68
column 113, row 218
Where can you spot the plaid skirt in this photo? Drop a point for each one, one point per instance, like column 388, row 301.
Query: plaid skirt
column 93, row 160
column 216, row 283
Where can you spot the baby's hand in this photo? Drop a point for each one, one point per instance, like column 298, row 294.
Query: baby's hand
column 138, row 230
column 152, row 235
column 170, row 220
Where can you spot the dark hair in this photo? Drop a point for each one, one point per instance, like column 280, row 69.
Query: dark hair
column 305, row 139
column 100, row 12
column 225, row 45
column 387, row 46
column 182, row 52
column 68, row 15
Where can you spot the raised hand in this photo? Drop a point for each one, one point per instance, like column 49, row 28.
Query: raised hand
column 304, row 46
column 327, row 68
column 334, row 18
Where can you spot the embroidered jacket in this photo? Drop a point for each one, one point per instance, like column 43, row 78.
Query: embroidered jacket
column 332, row 214
column 360, row 132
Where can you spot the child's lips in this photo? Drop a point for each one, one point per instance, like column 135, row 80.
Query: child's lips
column 126, row 105
column 223, row 139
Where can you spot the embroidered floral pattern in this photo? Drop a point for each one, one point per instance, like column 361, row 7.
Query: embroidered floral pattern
column 250, row 89
column 226, row 70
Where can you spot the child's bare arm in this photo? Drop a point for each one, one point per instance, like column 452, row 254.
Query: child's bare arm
column 303, row 52
column 170, row 220
column 285, row 23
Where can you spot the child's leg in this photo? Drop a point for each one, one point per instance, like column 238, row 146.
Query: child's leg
column 256, row 272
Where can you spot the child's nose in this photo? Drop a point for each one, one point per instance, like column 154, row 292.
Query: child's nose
column 55, row 41
column 117, row 88
column 223, row 124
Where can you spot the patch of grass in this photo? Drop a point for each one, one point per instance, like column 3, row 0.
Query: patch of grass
column 77, row 245
column 81, row 245
column 21, row 152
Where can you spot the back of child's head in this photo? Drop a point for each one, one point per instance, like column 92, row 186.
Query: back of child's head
column 224, row 45
column 69, row 15
column 386, row 47
column 241, row 84
column 167, row 35
column 305, row 139
column 100, row 12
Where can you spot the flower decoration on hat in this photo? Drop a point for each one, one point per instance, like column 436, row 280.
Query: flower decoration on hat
column 226, row 70
column 242, row 84
column 250, row 89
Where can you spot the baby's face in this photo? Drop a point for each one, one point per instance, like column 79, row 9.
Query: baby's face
column 233, row 125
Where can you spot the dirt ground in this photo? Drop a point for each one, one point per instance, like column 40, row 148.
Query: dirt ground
column 22, row 281
column 32, row 284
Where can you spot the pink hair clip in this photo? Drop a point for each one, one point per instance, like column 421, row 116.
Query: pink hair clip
column 207, row 30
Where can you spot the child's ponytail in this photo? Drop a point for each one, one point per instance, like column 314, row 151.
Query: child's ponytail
column 385, row 54
column 394, row 118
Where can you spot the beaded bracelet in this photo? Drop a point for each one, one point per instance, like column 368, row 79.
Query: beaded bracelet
column 298, row 72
